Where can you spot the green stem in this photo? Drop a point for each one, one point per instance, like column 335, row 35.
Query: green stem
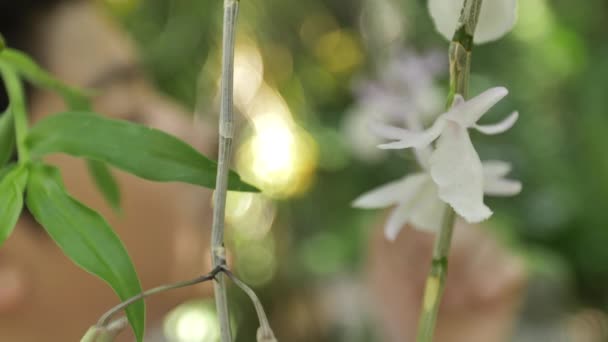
column 460, row 65
column 435, row 281
column 226, row 132
column 14, row 88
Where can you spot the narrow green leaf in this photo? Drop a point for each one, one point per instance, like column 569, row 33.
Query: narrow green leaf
column 75, row 100
column 85, row 237
column 31, row 71
column 7, row 136
column 145, row 152
column 11, row 200
column 6, row 169
column 18, row 108
column 105, row 182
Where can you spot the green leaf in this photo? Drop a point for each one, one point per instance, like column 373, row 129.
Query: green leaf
column 145, row 152
column 31, row 71
column 7, row 136
column 85, row 237
column 11, row 200
column 105, row 182
column 16, row 96
column 5, row 170
column 76, row 100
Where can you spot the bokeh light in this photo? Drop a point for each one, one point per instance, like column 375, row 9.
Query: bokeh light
column 278, row 156
column 194, row 321
column 248, row 72
column 249, row 215
column 339, row 51
column 256, row 262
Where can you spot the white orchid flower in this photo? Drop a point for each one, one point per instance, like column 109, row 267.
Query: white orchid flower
column 417, row 201
column 403, row 93
column 496, row 18
column 454, row 165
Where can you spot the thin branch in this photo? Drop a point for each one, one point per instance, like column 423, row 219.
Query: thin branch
column 265, row 333
column 226, row 132
column 105, row 319
column 106, row 334
column 106, row 328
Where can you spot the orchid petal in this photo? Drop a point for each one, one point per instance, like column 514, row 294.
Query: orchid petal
column 501, row 187
column 458, row 173
column 467, row 113
column 445, row 14
column 423, row 155
column 397, row 219
column 496, row 18
column 458, row 100
column 416, row 139
column 402, row 190
column 499, row 127
column 388, row 131
column 495, row 168
column 494, row 183
column 428, row 213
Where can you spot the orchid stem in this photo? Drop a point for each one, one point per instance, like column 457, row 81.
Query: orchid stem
column 226, row 132
column 460, row 65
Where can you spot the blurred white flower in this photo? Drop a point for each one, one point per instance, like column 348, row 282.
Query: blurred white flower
column 404, row 95
column 454, row 165
column 496, row 18
column 382, row 24
column 417, row 199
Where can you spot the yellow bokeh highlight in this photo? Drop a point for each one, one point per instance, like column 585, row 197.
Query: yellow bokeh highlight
column 248, row 72
column 315, row 25
column 339, row 51
column 278, row 156
column 250, row 215
column 256, row 262
column 192, row 321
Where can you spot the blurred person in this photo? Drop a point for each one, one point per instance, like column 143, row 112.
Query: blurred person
column 43, row 295
column 484, row 286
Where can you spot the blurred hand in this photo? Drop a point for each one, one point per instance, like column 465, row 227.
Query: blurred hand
column 484, row 285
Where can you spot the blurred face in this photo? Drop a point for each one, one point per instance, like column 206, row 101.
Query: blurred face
column 165, row 227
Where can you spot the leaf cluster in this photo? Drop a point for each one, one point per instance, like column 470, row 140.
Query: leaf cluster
column 82, row 233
